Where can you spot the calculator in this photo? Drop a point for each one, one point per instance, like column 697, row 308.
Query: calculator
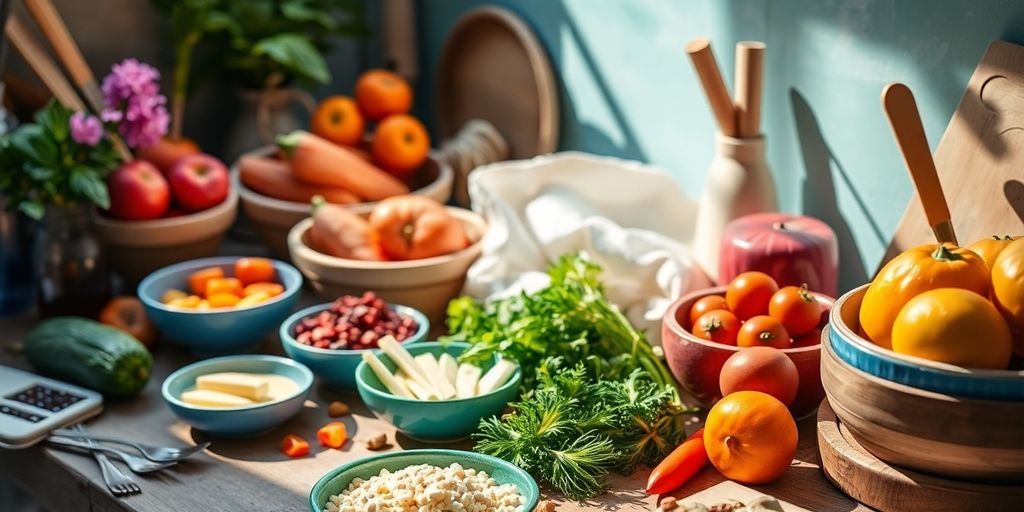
column 31, row 406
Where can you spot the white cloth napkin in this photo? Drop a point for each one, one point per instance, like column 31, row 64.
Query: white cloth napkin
column 630, row 218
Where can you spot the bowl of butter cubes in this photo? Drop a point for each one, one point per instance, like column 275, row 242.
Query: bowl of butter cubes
column 428, row 395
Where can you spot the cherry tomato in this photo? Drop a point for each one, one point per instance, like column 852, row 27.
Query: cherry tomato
column 749, row 293
column 796, row 308
column 719, row 326
column 705, row 304
column 763, row 331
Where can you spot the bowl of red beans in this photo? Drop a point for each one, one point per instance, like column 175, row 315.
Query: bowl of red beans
column 330, row 338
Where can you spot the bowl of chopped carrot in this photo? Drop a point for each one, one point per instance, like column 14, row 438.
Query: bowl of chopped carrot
column 220, row 305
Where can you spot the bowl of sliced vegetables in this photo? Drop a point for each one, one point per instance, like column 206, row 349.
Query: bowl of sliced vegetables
column 223, row 305
column 428, row 395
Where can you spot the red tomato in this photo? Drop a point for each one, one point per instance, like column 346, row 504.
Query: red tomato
column 796, row 308
column 748, row 295
column 763, row 369
column 138, row 192
column 719, row 326
column 763, row 331
column 705, row 304
column 198, row 182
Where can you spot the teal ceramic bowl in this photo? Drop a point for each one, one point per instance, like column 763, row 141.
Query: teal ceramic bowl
column 433, row 421
column 502, row 472
column 238, row 421
column 337, row 368
column 216, row 331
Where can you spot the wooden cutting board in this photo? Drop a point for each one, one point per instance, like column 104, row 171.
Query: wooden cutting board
column 980, row 158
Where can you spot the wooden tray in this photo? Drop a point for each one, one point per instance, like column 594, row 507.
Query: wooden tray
column 980, row 157
column 889, row 489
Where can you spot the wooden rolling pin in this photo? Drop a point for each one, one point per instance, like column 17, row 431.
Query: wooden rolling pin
column 714, row 86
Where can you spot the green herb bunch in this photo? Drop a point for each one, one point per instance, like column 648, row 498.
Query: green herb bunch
column 41, row 164
column 571, row 431
column 570, row 319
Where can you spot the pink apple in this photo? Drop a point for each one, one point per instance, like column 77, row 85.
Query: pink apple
column 198, row 182
column 138, row 192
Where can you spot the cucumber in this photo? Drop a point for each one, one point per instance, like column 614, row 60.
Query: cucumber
column 90, row 354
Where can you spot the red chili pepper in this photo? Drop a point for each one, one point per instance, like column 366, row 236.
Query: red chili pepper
column 679, row 466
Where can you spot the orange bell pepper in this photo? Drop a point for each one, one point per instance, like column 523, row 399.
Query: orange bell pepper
column 332, row 435
column 294, row 446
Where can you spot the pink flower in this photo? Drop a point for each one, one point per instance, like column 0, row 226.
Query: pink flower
column 132, row 95
column 86, row 129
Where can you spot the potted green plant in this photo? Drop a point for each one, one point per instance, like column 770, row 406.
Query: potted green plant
column 269, row 49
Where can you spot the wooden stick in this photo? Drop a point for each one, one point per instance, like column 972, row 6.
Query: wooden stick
column 42, row 64
column 749, row 79
column 56, row 32
column 901, row 109
column 714, row 86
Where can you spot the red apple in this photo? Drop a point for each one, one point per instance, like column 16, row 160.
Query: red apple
column 138, row 192
column 167, row 152
column 198, row 182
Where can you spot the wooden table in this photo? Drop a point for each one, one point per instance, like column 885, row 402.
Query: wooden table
column 252, row 474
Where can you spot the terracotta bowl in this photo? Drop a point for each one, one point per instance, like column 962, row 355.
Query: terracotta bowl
column 426, row 284
column 697, row 363
column 137, row 248
column 273, row 218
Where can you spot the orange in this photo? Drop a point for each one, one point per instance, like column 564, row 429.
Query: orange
column 338, row 120
column 750, row 437
column 381, row 93
column 401, row 144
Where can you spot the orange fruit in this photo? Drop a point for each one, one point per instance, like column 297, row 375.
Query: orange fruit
column 400, row 144
column 338, row 120
column 381, row 93
column 750, row 437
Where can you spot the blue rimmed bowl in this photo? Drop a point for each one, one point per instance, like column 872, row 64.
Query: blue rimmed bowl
column 868, row 357
column 216, row 331
column 337, row 480
column 337, row 367
column 238, row 421
column 433, row 421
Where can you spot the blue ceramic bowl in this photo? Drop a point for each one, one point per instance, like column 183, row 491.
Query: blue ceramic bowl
column 336, row 481
column 216, row 331
column 433, row 420
column 912, row 371
column 337, row 368
column 238, row 421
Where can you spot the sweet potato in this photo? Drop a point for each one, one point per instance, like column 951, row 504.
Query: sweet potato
column 338, row 232
column 272, row 178
column 317, row 161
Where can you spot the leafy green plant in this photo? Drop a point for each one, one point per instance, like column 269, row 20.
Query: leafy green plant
column 42, row 164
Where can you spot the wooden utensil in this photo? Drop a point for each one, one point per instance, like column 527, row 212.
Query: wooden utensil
column 901, row 109
column 747, row 96
column 56, row 32
column 42, row 64
column 714, row 85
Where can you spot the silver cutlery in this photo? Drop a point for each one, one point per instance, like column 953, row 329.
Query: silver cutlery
column 151, row 452
column 136, row 464
column 118, row 483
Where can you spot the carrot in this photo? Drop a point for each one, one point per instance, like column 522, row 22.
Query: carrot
column 294, row 446
column 273, row 178
column 338, row 232
column 679, row 466
column 198, row 279
column 332, row 435
column 319, row 162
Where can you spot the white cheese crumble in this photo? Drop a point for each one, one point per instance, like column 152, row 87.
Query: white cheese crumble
column 427, row 488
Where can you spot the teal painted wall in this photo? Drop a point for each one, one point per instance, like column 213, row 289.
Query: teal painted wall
column 628, row 89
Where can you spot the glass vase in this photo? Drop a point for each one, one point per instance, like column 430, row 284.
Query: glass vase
column 72, row 277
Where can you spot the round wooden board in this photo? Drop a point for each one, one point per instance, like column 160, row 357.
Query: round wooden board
column 876, row 484
column 493, row 68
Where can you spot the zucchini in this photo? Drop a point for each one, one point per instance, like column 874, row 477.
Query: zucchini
column 90, row 354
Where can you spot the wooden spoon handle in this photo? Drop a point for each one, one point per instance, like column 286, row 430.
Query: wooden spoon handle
column 714, row 86
column 749, row 78
column 905, row 120
column 42, row 64
column 56, row 32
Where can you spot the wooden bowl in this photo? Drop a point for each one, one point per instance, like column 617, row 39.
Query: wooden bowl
column 273, row 218
column 916, row 372
column 930, row 432
column 426, row 284
column 137, row 248
column 697, row 363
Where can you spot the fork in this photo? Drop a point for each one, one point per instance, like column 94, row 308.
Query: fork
column 117, row 482
column 151, row 452
column 136, row 464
